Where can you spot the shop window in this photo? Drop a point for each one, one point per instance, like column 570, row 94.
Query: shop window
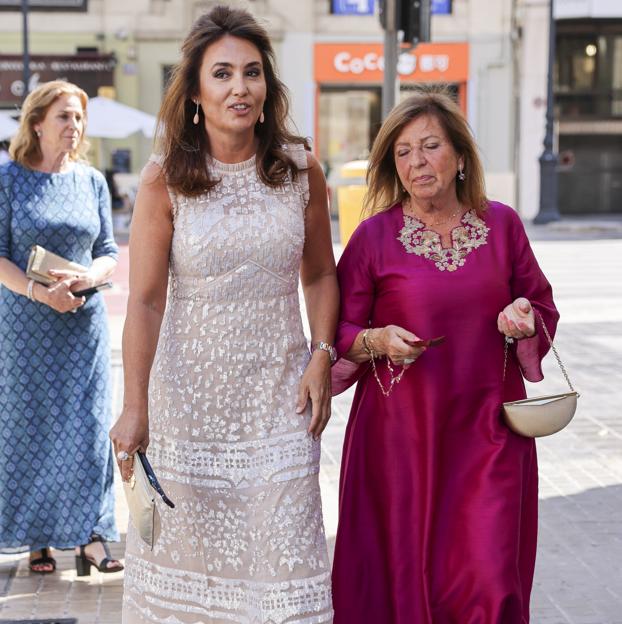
column 349, row 119
column 588, row 71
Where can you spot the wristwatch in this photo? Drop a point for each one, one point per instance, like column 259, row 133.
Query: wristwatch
column 324, row 346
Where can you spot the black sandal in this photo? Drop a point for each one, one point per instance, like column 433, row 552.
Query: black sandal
column 84, row 562
column 44, row 559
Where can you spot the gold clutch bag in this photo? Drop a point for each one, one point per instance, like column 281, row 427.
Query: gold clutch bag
column 41, row 261
column 542, row 415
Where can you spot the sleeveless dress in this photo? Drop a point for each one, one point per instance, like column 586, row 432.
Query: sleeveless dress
column 246, row 541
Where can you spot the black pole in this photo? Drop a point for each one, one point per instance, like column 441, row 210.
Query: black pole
column 548, row 160
column 26, row 54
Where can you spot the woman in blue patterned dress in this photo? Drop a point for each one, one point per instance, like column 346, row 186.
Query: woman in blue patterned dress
column 56, row 464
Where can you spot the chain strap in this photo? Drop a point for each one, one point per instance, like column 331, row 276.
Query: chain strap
column 509, row 341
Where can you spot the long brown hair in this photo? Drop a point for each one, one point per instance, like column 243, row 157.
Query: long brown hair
column 183, row 145
column 384, row 186
column 25, row 147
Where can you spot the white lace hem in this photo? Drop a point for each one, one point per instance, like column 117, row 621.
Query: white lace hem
column 167, row 594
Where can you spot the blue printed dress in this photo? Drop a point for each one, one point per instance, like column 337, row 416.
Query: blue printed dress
column 56, row 463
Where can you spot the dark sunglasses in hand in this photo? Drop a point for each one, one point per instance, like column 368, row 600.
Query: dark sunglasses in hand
column 153, row 480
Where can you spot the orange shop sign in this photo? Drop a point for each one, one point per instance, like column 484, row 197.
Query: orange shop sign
column 362, row 62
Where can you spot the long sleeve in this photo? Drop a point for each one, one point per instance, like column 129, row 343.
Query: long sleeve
column 105, row 244
column 356, row 284
column 528, row 281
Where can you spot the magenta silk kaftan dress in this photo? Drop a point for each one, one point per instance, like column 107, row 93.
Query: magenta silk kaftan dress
column 438, row 498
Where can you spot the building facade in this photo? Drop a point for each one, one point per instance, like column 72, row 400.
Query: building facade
column 491, row 53
column 339, row 99
column 588, row 103
column 331, row 63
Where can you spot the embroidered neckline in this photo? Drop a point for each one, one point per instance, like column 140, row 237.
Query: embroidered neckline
column 469, row 235
column 244, row 165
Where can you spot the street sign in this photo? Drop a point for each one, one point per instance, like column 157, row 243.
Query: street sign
column 45, row 5
column 441, row 7
column 88, row 71
column 352, row 7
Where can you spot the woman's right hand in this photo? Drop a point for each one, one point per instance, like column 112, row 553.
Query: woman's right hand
column 130, row 434
column 58, row 295
column 392, row 341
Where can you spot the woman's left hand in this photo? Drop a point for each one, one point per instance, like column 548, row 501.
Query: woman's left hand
column 315, row 385
column 517, row 319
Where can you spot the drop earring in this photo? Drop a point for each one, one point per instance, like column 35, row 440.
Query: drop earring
column 461, row 175
column 261, row 117
column 195, row 119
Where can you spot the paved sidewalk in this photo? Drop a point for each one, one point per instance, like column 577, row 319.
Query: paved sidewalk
column 578, row 578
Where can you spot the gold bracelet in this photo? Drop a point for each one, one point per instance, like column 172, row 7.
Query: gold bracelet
column 366, row 346
column 370, row 342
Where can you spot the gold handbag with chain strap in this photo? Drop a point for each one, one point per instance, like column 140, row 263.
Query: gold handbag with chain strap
column 543, row 415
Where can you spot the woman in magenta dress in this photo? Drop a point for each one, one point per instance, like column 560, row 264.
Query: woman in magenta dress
column 438, row 498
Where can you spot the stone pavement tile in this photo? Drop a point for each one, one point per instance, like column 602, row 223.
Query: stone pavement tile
column 63, row 593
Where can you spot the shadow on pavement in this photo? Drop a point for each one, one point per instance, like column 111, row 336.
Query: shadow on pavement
column 578, row 575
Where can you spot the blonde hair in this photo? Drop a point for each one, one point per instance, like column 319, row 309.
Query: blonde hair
column 384, row 186
column 25, row 148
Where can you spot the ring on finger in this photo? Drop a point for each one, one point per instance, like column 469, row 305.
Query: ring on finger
column 123, row 456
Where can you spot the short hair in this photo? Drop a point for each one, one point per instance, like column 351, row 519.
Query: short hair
column 25, row 147
column 183, row 146
column 384, row 186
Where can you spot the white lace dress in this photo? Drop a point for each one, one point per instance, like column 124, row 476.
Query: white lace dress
column 246, row 540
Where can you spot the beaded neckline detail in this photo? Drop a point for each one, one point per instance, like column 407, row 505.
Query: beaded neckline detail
column 469, row 235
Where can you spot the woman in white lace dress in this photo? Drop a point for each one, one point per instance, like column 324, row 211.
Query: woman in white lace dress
column 219, row 382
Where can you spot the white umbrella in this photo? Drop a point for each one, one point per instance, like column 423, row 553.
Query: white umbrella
column 8, row 126
column 108, row 119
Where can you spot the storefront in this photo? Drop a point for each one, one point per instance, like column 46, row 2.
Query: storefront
column 348, row 80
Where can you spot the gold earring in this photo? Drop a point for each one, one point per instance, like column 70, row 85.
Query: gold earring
column 261, row 117
column 195, row 119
